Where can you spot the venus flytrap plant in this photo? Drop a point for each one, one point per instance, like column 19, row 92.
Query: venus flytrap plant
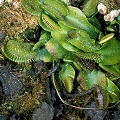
column 106, row 38
column 67, row 75
column 78, row 20
column 90, row 79
column 56, row 49
column 33, row 7
column 47, row 23
column 90, row 7
column 44, row 38
column 55, row 8
column 40, row 49
column 82, row 40
column 44, row 55
column 68, row 35
column 61, row 36
column 19, row 51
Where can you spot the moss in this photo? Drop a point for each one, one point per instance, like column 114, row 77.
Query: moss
column 110, row 4
column 15, row 20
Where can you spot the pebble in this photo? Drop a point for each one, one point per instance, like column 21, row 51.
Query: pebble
column 1, row 2
column 44, row 112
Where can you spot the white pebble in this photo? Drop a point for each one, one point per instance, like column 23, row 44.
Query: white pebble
column 102, row 8
column 1, row 2
column 110, row 17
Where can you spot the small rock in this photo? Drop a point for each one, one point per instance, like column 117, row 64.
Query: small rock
column 11, row 85
column 3, row 117
column 95, row 114
column 1, row 2
column 2, row 35
column 44, row 112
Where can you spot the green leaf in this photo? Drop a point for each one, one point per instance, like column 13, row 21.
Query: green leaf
column 95, row 22
column 90, row 7
column 110, row 52
column 65, row 2
column 32, row 6
column 55, row 8
column 93, row 79
column 43, row 54
column 47, row 23
column 89, row 79
column 45, row 36
column 61, row 36
column 19, row 51
column 107, row 87
column 55, row 48
column 112, row 69
column 82, row 40
column 77, row 19
column 113, row 91
column 67, row 75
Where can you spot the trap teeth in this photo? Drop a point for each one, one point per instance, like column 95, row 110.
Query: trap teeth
column 49, row 22
column 18, row 51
